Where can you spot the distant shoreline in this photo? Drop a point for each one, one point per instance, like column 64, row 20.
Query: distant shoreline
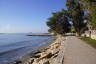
column 40, row 35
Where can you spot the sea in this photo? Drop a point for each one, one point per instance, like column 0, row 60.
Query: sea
column 15, row 46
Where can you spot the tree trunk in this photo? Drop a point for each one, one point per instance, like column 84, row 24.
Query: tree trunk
column 78, row 34
column 90, row 34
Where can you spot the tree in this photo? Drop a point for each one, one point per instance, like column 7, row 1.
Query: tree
column 90, row 5
column 76, row 14
column 58, row 23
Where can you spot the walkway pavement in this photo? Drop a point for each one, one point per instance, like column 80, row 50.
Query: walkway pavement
column 78, row 52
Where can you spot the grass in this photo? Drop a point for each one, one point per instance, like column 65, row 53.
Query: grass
column 90, row 41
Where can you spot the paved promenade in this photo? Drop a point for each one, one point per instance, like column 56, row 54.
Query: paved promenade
column 78, row 52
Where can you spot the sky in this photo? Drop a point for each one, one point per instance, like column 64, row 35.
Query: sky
column 23, row 16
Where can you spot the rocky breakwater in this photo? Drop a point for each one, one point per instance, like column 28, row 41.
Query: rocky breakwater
column 48, row 55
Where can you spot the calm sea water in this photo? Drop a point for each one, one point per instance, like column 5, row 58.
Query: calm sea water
column 14, row 46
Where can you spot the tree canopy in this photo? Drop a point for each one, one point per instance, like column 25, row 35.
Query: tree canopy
column 58, row 23
column 90, row 5
column 77, row 11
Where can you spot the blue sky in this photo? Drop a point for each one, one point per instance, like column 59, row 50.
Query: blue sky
column 22, row 16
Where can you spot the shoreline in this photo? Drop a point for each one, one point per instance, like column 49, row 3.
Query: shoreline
column 47, row 54
column 41, row 35
column 26, row 58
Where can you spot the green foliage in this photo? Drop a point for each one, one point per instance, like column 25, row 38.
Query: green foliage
column 88, row 0
column 91, row 5
column 50, row 30
column 90, row 41
column 76, row 10
column 58, row 23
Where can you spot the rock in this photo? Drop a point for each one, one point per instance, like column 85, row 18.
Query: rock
column 47, row 62
column 44, row 61
column 27, row 63
column 55, row 55
column 49, row 55
column 55, row 51
column 47, row 48
column 45, row 55
column 35, row 61
column 37, row 52
column 56, row 45
column 18, row 62
column 51, row 60
column 37, row 55
column 31, row 60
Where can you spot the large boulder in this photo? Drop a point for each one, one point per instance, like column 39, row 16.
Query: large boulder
column 44, row 55
column 44, row 61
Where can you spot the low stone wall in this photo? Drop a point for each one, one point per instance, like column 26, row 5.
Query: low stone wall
column 93, row 34
column 93, row 37
column 54, row 54
column 60, row 58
